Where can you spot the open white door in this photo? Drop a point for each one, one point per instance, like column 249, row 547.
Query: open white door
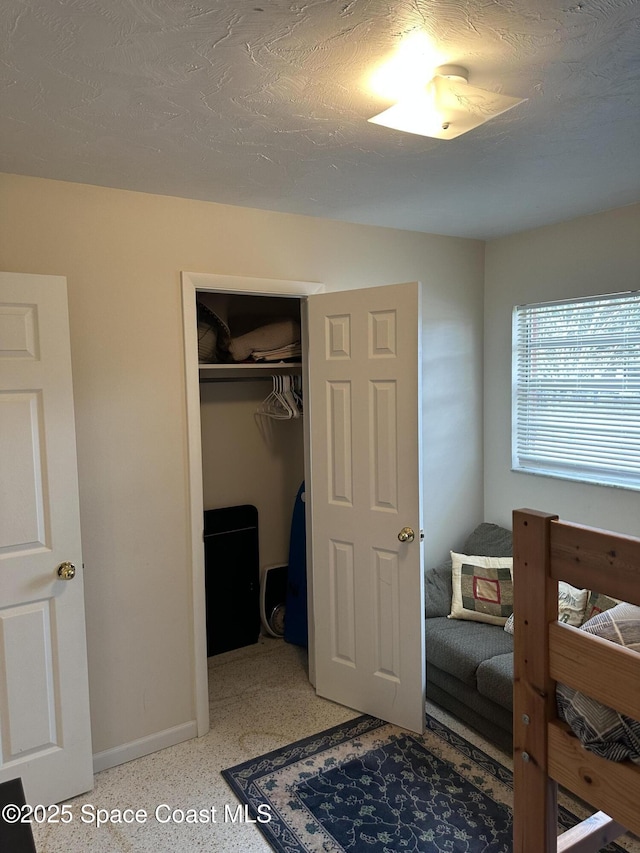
column 368, row 586
column 44, row 699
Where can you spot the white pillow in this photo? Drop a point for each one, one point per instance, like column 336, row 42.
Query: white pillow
column 572, row 603
column 571, row 606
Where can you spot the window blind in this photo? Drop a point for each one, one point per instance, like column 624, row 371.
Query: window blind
column 576, row 394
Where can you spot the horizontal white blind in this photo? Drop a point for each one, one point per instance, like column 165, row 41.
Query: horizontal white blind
column 576, row 404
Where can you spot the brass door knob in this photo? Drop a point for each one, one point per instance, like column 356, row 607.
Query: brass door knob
column 406, row 535
column 66, row 571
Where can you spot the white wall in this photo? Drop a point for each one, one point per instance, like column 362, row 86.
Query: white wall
column 451, row 406
column 122, row 254
column 585, row 257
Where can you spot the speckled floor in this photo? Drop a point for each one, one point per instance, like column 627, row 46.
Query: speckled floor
column 260, row 699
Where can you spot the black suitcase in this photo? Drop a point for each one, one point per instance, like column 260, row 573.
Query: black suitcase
column 231, row 557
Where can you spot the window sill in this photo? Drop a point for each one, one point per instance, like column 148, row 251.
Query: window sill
column 577, row 478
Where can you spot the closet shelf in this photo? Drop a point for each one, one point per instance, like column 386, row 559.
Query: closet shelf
column 233, row 372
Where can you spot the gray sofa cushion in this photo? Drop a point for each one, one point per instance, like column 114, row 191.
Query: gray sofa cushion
column 438, row 591
column 490, row 540
column 478, row 708
column 487, row 724
column 495, row 680
column 459, row 647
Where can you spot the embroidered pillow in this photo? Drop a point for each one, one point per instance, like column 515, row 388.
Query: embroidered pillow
column 598, row 603
column 571, row 604
column 482, row 588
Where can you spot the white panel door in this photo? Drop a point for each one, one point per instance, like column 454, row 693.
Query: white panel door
column 368, row 586
column 44, row 698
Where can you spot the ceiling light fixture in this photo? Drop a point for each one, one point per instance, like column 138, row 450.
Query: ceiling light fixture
column 446, row 107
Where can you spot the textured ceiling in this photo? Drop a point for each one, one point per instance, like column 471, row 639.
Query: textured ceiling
column 265, row 104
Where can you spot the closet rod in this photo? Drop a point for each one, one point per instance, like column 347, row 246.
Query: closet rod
column 208, row 379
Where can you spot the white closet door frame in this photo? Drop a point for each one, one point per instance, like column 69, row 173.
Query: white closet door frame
column 192, row 282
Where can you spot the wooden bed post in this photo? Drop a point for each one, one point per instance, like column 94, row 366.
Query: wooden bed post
column 535, row 795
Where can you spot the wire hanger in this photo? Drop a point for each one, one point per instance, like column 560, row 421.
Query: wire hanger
column 284, row 402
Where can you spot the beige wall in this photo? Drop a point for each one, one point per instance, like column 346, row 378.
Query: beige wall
column 249, row 460
column 122, row 254
column 587, row 256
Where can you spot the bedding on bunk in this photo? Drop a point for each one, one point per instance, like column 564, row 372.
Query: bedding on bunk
column 599, row 728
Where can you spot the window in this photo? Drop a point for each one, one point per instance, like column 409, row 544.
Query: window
column 576, row 389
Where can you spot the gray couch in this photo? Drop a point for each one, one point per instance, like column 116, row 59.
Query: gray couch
column 470, row 664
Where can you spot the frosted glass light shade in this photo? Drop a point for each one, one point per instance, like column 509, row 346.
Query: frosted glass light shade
column 444, row 109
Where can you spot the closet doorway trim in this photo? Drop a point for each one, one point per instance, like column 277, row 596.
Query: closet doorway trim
column 192, row 282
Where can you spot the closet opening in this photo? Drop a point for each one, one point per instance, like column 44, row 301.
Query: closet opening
column 251, row 408
column 245, row 348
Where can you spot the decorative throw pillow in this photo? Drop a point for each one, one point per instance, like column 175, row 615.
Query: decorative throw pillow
column 598, row 603
column 482, row 588
column 571, row 604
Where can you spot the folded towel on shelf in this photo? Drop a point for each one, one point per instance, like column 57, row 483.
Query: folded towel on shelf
column 281, row 354
column 269, row 337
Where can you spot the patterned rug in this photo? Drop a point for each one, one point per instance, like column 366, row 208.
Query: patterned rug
column 369, row 787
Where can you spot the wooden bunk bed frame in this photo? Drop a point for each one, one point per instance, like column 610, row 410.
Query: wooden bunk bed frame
column 546, row 753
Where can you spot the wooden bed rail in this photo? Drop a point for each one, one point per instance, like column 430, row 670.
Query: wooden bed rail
column 611, row 785
column 545, row 752
column 594, row 833
column 589, row 558
column 595, row 666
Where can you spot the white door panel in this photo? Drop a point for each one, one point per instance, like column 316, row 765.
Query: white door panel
column 368, row 588
column 44, row 702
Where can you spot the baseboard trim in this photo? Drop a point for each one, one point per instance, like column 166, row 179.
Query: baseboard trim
column 144, row 746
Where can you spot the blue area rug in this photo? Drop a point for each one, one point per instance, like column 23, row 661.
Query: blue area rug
column 369, row 787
